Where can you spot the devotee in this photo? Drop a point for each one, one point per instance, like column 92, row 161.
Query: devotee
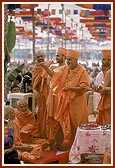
column 17, row 80
column 27, row 151
column 104, row 106
column 9, row 139
column 40, row 84
column 52, row 125
column 15, row 89
column 26, row 117
column 99, row 81
column 10, row 154
column 69, row 84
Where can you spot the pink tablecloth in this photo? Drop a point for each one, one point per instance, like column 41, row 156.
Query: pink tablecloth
column 89, row 141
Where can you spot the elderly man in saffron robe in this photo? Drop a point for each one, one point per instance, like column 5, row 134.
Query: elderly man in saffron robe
column 40, row 84
column 28, row 151
column 69, row 84
column 26, row 117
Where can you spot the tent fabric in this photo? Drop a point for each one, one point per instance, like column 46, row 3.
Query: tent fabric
column 104, row 7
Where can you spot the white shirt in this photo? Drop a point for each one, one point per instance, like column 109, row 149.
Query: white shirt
column 96, row 96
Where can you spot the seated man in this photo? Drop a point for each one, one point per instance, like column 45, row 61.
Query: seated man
column 25, row 151
column 9, row 139
column 10, row 154
column 26, row 118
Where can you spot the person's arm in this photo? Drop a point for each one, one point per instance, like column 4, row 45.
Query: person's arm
column 107, row 79
column 106, row 88
column 49, row 71
column 78, row 89
column 24, row 147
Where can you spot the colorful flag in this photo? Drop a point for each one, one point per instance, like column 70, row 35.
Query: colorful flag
column 53, row 12
column 46, row 11
column 87, row 12
column 75, row 12
column 83, row 13
column 39, row 11
column 60, row 11
column 24, row 9
column 68, row 12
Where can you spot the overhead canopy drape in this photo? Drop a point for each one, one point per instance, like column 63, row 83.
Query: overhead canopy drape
column 103, row 7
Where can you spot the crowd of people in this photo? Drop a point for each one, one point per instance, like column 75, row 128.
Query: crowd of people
column 60, row 91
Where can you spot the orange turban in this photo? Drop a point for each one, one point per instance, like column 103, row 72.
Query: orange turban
column 62, row 50
column 73, row 53
column 106, row 54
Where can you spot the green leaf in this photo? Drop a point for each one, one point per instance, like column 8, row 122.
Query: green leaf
column 14, row 74
column 11, row 36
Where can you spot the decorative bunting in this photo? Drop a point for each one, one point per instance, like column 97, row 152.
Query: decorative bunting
column 60, row 11
column 104, row 7
column 46, row 11
column 92, row 20
column 87, row 12
column 39, row 11
column 83, row 13
column 17, row 10
column 53, row 11
column 89, row 6
column 98, row 12
column 28, row 6
column 68, row 12
column 13, row 6
column 101, row 18
column 24, row 9
column 75, row 12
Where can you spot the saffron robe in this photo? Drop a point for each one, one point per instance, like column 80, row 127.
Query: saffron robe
column 71, row 109
column 40, row 82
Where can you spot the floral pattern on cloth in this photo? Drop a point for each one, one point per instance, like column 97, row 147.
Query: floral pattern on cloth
column 89, row 141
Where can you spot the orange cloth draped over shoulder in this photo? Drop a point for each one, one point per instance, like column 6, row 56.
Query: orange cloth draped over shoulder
column 38, row 75
column 17, row 140
column 72, row 107
column 27, row 118
column 40, row 83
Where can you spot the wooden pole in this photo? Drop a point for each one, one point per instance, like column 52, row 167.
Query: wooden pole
column 62, row 23
column 48, row 35
column 33, row 26
column 5, row 48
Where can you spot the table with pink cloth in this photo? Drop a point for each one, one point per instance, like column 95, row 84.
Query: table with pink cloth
column 96, row 141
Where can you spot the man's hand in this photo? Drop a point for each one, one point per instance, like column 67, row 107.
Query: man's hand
column 10, row 124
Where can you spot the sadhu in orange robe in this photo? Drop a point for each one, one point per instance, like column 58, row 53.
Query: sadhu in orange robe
column 27, row 118
column 71, row 109
column 104, row 106
column 40, row 82
column 28, row 151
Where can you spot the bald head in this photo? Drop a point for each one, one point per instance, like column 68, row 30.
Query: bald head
column 9, row 112
column 22, row 105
